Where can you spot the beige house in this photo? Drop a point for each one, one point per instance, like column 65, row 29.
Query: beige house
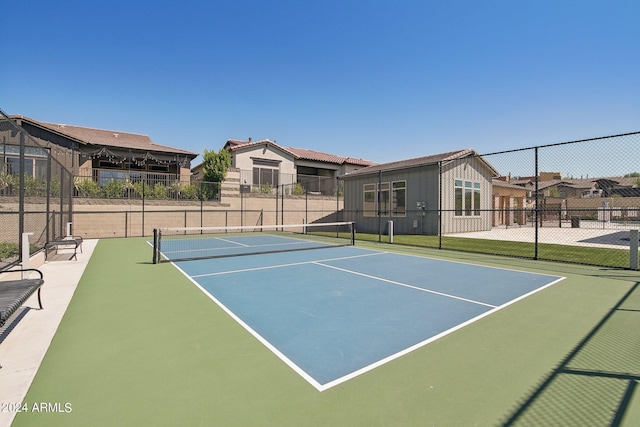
column 509, row 203
column 264, row 165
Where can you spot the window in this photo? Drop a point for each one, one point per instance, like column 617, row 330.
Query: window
column 383, row 198
column 458, row 197
column 476, row 198
column 265, row 172
column 399, row 198
column 468, row 201
column 106, row 164
column 158, row 168
column 376, row 199
column 369, row 206
column 265, row 177
column 34, row 168
column 467, row 198
column 35, row 161
column 131, row 166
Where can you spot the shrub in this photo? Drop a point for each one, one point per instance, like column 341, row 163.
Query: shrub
column 159, row 191
column 6, row 181
column 264, row 189
column 54, row 187
column 141, row 188
column 189, row 192
column 34, row 186
column 113, row 189
column 87, row 188
column 298, row 189
column 8, row 250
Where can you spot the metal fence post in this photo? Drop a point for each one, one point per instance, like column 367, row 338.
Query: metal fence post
column 537, row 205
column 439, row 205
column 633, row 249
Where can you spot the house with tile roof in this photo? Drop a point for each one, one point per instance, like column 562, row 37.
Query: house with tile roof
column 102, row 155
column 576, row 188
column 266, row 164
column 438, row 194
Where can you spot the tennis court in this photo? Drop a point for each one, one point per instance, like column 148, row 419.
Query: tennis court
column 347, row 335
column 337, row 312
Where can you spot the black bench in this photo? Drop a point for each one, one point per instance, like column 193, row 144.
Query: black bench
column 75, row 242
column 14, row 293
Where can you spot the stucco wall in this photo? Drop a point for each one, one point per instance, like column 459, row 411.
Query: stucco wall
column 106, row 218
column 244, row 158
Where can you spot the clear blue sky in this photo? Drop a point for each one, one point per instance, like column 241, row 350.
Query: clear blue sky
column 380, row 80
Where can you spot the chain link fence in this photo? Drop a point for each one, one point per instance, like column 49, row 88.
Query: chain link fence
column 128, row 185
column 36, row 191
column 577, row 202
column 105, row 213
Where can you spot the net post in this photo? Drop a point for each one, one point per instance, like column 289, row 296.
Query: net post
column 155, row 245
column 352, row 227
column 390, row 231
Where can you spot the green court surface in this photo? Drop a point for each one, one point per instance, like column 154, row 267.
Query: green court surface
column 140, row 345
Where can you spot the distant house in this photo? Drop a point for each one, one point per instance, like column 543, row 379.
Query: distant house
column 102, row 155
column 570, row 188
column 265, row 164
column 412, row 192
column 509, row 203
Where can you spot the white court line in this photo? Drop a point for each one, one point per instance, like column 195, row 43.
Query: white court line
column 285, row 265
column 337, row 381
column 471, row 263
column 231, row 241
column 416, row 346
column 256, row 335
column 403, row 284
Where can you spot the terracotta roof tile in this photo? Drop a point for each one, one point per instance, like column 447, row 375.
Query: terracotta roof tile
column 109, row 138
column 306, row 154
column 505, row 184
column 299, row 153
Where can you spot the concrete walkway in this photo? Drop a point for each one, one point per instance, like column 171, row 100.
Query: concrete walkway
column 591, row 237
column 27, row 339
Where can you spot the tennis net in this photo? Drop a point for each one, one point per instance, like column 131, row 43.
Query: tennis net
column 192, row 243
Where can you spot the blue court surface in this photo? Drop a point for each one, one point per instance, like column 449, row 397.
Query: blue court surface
column 332, row 314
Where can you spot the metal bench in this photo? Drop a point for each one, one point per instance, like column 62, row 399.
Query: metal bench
column 14, row 293
column 75, row 242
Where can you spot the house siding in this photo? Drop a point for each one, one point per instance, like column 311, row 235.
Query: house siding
column 467, row 169
column 423, row 186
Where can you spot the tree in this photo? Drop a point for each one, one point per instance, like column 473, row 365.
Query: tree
column 215, row 165
column 214, row 168
column 636, row 175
